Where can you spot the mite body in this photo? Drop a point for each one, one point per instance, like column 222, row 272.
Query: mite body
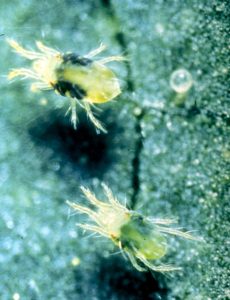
column 142, row 239
column 84, row 80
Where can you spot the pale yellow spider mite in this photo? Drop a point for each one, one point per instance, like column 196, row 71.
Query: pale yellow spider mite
column 142, row 239
column 84, row 80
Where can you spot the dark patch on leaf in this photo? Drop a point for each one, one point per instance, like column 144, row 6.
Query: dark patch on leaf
column 117, row 279
column 80, row 151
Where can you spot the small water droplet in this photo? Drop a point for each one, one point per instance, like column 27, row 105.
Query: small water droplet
column 16, row 296
column 75, row 261
column 43, row 101
column 10, row 224
column 159, row 28
column 181, row 81
column 137, row 111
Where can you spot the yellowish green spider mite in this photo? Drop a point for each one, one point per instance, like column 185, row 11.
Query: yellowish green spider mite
column 141, row 238
column 84, row 80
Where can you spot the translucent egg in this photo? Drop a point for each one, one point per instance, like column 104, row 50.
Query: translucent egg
column 181, row 81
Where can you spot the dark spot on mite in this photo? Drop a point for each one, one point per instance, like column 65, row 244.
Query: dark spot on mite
column 80, row 153
column 114, row 277
column 76, row 59
column 64, row 87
